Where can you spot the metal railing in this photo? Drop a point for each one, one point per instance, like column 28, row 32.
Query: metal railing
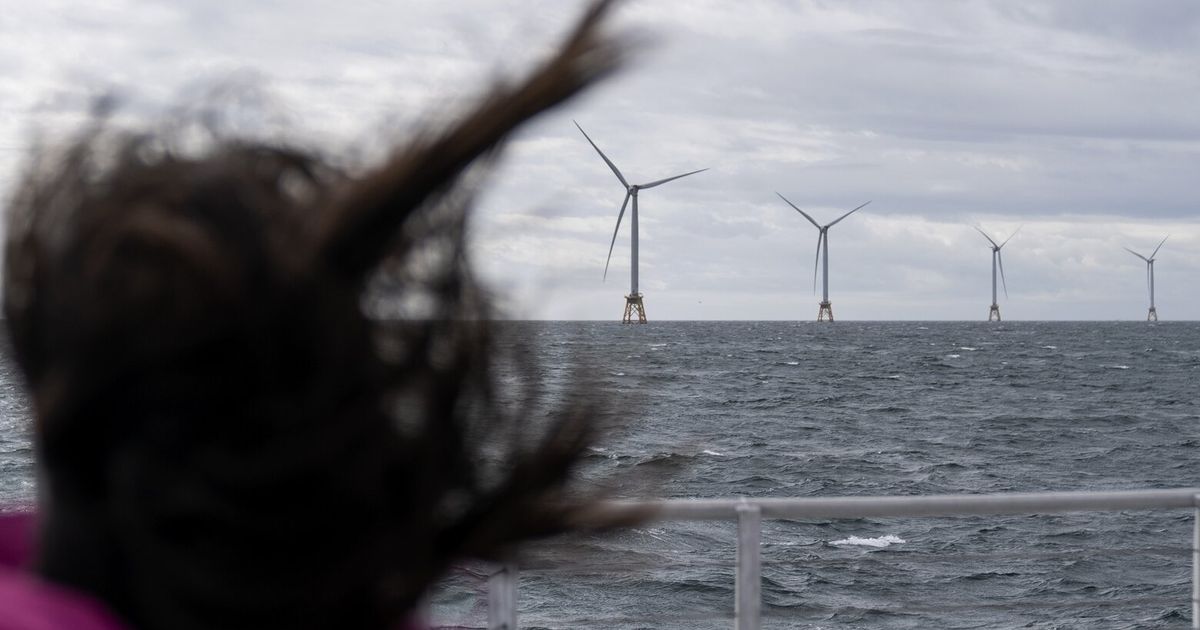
column 749, row 513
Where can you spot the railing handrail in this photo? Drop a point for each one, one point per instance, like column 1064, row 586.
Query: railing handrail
column 749, row 512
column 902, row 505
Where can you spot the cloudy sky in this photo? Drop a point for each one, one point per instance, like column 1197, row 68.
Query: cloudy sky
column 1078, row 120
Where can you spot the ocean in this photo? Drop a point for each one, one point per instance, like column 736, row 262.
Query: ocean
column 800, row 409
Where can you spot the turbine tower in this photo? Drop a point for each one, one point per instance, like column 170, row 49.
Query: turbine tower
column 1152, row 315
column 997, row 261
column 825, row 309
column 633, row 301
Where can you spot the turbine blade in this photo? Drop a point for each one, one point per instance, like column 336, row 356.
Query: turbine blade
column 1003, row 282
column 817, row 262
column 1160, row 244
column 810, row 219
column 835, row 222
column 615, row 230
column 1012, row 235
column 602, row 156
column 669, row 179
column 1136, row 254
column 980, row 230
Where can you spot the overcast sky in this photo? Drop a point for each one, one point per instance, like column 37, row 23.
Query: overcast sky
column 1079, row 120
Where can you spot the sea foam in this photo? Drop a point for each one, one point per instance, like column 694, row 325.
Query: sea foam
column 882, row 541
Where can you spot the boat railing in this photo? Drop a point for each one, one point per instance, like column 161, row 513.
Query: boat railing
column 749, row 514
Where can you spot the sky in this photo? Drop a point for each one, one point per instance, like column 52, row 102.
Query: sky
column 1077, row 121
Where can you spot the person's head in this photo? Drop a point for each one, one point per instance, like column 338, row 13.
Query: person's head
column 227, row 437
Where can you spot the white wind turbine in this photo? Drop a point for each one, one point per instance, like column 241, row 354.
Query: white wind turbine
column 825, row 310
column 633, row 301
column 997, row 260
column 1152, row 315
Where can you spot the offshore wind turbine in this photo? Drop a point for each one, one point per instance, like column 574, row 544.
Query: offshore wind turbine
column 825, row 309
column 1152, row 315
column 633, row 301
column 997, row 260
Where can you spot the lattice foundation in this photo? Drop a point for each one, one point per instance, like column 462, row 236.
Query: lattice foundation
column 825, row 313
column 1152, row 316
column 994, row 313
column 634, row 303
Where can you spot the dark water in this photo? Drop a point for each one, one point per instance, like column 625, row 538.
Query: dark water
column 722, row 409
column 798, row 409
column 17, row 488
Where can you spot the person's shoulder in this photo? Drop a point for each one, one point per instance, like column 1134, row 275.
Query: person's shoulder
column 29, row 603
column 16, row 538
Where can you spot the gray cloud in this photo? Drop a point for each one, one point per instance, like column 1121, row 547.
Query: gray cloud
column 1076, row 118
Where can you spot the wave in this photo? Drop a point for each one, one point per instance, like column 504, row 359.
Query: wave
column 988, row 575
column 663, row 458
column 879, row 543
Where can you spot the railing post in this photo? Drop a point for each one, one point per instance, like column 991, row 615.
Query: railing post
column 502, row 598
column 748, row 583
column 1196, row 564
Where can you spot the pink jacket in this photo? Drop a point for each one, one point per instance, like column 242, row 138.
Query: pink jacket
column 29, row 603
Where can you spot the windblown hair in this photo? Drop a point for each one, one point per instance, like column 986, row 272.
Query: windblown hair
column 228, row 436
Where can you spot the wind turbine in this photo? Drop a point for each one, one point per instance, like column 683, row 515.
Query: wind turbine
column 997, row 260
column 825, row 310
column 633, row 301
column 1152, row 315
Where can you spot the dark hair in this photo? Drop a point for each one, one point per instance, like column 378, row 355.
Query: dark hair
column 228, row 436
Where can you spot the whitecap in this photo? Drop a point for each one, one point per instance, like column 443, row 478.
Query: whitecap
column 1117, row 367
column 953, row 356
column 658, row 345
column 1050, row 347
column 882, row 541
column 894, row 377
column 714, row 453
column 967, row 348
column 792, row 363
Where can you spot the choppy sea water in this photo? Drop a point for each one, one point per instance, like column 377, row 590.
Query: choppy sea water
column 788, row 409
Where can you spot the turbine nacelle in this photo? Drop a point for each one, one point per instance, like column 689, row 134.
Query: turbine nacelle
column 998, row 259
column 631, row 192
column 996, row 247
column 822, row 241
column 1150, row 270
column 1149, row 260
